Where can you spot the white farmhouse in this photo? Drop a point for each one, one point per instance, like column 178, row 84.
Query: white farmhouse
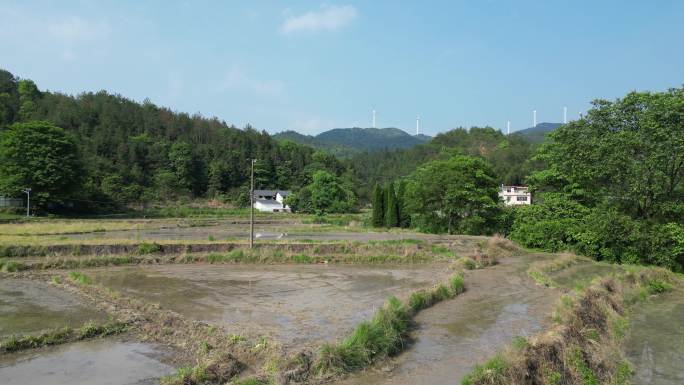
column 515, row 195
column 271, row 200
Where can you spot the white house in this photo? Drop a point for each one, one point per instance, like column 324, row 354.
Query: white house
column 515, row 195
column 271, row 200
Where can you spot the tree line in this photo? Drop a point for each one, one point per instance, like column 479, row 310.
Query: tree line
column 111, row 152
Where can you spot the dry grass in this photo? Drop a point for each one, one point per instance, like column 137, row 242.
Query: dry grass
column 539, row 271
column 585, row 347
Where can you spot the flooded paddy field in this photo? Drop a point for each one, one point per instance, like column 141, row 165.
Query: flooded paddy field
column 95, row 362
column 500, row 303
column 297, row 305
column 655, row 344
column 231, row 231
column 30, row 306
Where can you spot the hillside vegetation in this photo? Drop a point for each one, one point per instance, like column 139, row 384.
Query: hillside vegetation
column 122, row 152
column 345, row 142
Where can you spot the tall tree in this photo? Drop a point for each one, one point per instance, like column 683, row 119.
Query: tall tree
column 627, row 154
column 378, row 218
column 458, row 195
column 392, row 209
column 40, row 156
column 404, row 217
column 328, row 195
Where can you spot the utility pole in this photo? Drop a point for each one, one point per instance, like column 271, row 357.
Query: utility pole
column 27, row 191
column 251, row 209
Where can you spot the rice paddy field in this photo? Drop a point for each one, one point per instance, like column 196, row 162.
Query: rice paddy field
column 184, row 300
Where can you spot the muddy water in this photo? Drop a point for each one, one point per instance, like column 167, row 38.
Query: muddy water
column 28, row 306
column 96, row 362
column 655, row 344
column 295, row 304
column 500, row 303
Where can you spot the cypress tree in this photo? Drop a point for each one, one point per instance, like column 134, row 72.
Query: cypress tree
column 378, row 207
column 404, row 218
column 392, row 213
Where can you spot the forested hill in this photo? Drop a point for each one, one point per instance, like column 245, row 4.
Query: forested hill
column 134, row 152
column 538, row 133
column 348, row 141
column 510, row 157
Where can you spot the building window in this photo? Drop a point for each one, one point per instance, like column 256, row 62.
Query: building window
column 522, row 199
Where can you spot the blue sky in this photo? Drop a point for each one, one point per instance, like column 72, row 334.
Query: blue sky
column 311, row 66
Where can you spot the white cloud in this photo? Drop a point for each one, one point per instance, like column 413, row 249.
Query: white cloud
column 328, row 18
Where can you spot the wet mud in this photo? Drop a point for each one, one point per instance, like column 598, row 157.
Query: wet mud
column 655, row 344
column 30, row 306
column 296, row 305
column 500, row 303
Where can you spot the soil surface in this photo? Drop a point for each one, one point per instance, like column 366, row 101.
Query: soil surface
column 296, row 305
column 500, row 303
column 30, row 306
column 655, row 344
column 95, row 362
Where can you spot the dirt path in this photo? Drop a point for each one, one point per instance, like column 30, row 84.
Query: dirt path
column 500, row 303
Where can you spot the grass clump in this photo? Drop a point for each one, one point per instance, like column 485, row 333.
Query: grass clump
column 148, row 248
column 62, row 335
column 385, row 333
column 80, row 278
column 11, row 266
column 380, row 337
column 492, row 372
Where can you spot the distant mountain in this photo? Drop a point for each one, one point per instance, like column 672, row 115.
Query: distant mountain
column 538, row 133
column 347, row 141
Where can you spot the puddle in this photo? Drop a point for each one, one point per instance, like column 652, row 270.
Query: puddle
column 96, row 362
column 655, row 344
column 29, row 306
column 295, row 304
column 498, row 305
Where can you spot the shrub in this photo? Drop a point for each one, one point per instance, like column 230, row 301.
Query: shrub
column 148, row 248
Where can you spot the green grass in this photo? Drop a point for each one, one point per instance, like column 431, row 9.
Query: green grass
column 492, row 372
column 385, row 333
column 62, row 335
column 11, row 266
column 80, row 278
column 148, row 248
column 382, row 336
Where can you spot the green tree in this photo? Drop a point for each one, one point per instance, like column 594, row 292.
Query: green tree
column 392, row 210
column 404, row 217
column 41, row 156
column 328, row 195
column 378, row 217
column 627, row 154
column 28, row 96
column 458, row 195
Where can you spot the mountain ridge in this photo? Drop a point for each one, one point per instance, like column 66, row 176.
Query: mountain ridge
column 351, row 140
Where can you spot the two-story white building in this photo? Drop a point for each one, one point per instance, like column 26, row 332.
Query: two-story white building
column 515, row 195
column 272, row 201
